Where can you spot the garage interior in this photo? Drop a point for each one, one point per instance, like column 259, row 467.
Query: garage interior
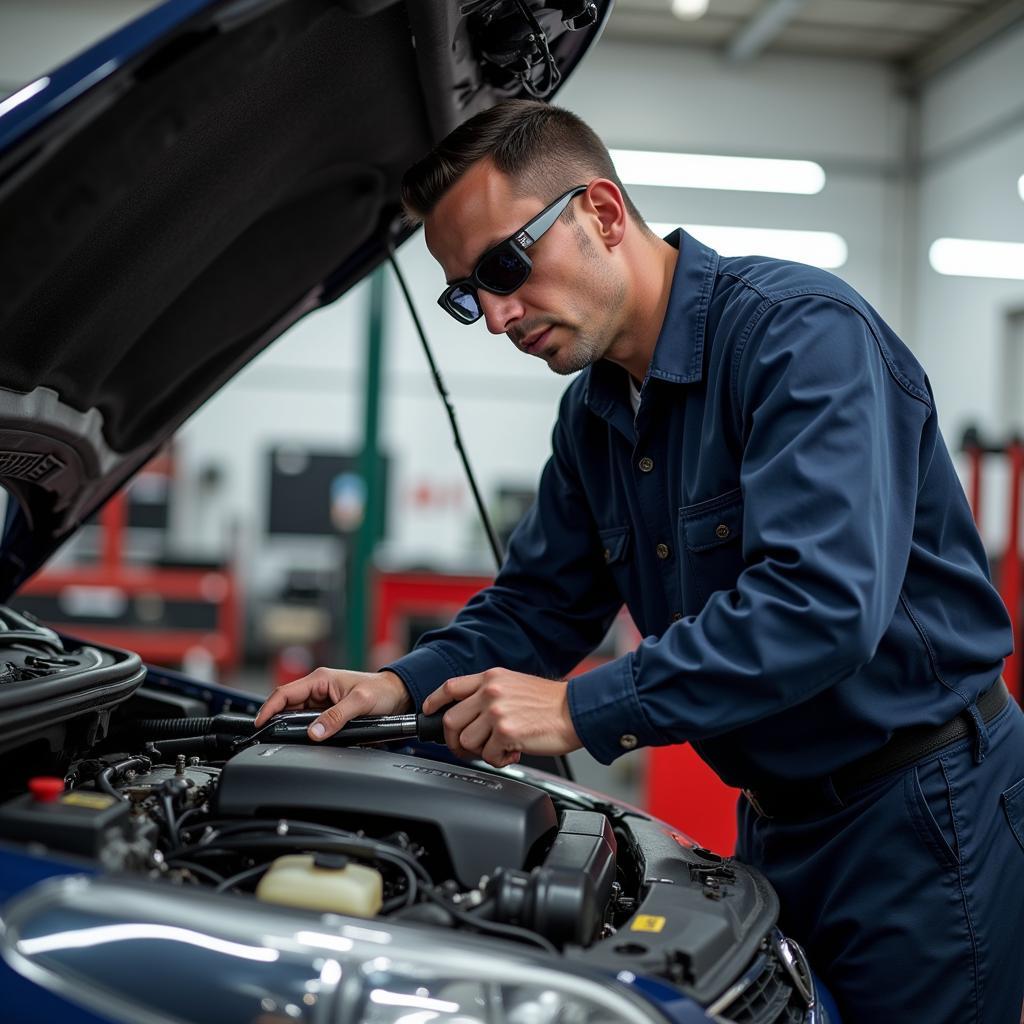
column 253, row 548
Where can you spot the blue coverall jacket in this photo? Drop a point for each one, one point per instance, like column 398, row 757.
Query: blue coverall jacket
column 783, row 521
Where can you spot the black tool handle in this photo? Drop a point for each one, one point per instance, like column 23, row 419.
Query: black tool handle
column 292, row 727
column 377, row 729
column 431, row 727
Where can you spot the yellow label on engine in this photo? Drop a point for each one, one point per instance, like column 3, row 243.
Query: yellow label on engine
column 94, row 801
column 647, row 923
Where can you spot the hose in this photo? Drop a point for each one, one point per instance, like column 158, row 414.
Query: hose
column 165, row 728
column 105, row 779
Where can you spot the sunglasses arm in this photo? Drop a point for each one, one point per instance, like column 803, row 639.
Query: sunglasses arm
column 529, row 234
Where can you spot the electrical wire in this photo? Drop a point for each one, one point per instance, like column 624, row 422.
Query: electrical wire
column 540, row 40
column 328, row 839
column 508, row 931
column 365, row 849
column 242, row 876
column 170, row 819
column 492, row 537
column 190, row 813
column 198, row 869
column 232, row 826
column 105, row 779
column 395, row 903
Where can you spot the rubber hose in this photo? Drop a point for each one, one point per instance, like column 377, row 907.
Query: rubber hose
column 158, row 728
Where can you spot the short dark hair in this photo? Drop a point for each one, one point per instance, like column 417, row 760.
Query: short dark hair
column 545, row 150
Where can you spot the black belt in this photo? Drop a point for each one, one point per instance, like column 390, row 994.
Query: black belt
column 801, row 799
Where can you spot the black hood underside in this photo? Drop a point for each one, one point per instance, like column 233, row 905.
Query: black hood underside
column 170, row 223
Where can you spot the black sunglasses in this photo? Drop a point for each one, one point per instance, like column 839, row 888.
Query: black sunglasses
column 504, row 267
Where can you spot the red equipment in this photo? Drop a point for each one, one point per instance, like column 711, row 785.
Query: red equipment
column 1010, row 577
column 165, row 614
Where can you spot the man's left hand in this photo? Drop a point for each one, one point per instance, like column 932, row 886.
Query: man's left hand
column 501, row 714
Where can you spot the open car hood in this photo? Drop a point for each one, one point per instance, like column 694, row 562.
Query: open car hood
column 177, row 196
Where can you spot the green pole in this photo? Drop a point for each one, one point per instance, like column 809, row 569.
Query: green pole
column 361, row 562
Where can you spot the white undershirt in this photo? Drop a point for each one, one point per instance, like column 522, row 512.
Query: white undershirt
column 634, row 395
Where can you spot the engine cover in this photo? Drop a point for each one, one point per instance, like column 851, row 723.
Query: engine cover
column 484, row 821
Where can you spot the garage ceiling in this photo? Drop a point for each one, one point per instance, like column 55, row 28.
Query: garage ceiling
column 920, row 36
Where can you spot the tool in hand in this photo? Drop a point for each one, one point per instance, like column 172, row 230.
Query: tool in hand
column 292, row 726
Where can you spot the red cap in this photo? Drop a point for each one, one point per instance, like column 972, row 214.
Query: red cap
column 46, row 788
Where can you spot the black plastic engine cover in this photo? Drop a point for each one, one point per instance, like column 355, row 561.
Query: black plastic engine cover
column 485, row 822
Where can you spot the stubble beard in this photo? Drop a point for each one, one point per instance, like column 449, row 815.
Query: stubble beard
column 577, row 355
column 594, row 315
column 591, row 342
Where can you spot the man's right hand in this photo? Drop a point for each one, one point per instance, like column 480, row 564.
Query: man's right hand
column 345, row 695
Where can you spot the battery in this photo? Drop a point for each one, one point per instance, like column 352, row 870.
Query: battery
column 79, row 821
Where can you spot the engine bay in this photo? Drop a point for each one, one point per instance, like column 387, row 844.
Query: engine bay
column 146, row 786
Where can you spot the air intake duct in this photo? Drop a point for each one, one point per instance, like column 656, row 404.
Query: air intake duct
column 566, row 898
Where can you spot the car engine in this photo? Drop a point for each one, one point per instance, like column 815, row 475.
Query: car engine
column 128, row 784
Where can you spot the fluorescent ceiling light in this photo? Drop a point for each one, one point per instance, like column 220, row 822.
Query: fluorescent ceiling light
column 972, row 257
column 823, row 249
column 735, row 173
column 689, row 10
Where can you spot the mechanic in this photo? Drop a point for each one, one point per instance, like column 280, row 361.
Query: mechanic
column 751, row 461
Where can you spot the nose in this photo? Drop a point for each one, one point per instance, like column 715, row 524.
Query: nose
column 500, row 311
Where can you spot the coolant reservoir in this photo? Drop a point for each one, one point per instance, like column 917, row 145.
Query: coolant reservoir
column 323, row 882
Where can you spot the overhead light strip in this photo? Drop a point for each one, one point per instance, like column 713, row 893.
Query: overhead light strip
column 823, row 249
column 975, row 257
column 732, row 173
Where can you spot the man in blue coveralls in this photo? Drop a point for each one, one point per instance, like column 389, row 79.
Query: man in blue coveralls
column 750, row 459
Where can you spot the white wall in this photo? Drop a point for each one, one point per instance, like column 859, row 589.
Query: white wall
column 846, row 115
column 972, row 154
column 38, row 37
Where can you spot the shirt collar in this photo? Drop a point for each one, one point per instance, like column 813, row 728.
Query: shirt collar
column 679, row 350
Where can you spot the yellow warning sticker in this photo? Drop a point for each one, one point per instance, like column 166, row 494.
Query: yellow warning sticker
column 94, row 801
column 647, row 923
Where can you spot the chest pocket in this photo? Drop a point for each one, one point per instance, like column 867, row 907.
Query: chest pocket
column 711, row 535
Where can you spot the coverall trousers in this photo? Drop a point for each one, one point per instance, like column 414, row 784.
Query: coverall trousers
column 909, row 897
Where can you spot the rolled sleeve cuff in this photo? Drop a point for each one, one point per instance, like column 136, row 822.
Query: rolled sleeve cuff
column 606, row 711
column 423, row 671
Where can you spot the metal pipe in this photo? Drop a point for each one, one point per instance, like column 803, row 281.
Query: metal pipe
column 762, row 29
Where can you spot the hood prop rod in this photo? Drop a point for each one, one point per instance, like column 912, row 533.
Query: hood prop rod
column 492, row 537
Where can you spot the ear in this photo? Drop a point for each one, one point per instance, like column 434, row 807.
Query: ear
column 603, row 201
